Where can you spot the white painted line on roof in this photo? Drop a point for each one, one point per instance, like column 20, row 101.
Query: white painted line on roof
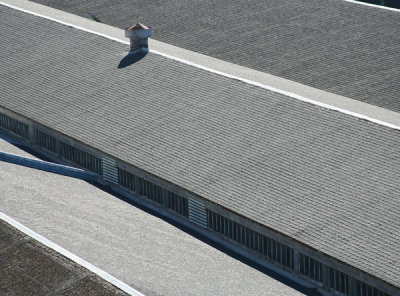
column 283, row 92
column 258, row 84
column 63, row 23
column 109, row 278
column 373, row 5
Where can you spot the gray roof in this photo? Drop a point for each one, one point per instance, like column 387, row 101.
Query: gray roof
column 333, row 45
column 327, row 179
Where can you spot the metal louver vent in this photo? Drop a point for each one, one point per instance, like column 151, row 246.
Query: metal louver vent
column 110, row 172
column 197, row 212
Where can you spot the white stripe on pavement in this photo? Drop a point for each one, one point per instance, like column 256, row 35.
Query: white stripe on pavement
column 101, row 273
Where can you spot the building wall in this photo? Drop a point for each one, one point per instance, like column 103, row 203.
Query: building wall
column 327, row 274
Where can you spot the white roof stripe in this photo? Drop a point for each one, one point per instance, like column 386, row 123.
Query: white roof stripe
column 350, row 107
column 373, row 5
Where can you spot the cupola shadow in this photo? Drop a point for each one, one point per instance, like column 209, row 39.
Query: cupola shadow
column 132, row 58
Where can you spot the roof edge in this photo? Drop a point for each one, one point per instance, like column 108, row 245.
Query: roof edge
column 373, row 5
column 264, row 80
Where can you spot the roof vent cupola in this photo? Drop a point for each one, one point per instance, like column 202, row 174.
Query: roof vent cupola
column 138, row 35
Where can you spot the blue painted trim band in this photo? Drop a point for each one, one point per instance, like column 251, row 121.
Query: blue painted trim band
column 48, row 166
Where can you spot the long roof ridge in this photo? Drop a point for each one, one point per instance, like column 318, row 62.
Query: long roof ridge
column 346, row 130
column 24, row 6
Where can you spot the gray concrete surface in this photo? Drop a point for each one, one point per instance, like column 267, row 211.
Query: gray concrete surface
column 140, row 249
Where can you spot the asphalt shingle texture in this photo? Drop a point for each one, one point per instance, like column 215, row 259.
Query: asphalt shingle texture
column 327, row 179
column 333, row 45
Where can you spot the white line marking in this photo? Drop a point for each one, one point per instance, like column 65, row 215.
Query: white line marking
column 270, row 88
column 283, row 92
column 121, row 285
column 373, row 5
column 64, row 23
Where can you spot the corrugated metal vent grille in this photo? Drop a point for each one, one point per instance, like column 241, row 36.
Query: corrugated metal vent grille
column 126, row 179
column 251, row 239
column 178, row 204
column 46, row 141
column 197, row 212
column 110, row 172
column 362, row 289
column 81, row 157
column 150, row 190
column 339, row 281
column 15, row 126
column 311, row 268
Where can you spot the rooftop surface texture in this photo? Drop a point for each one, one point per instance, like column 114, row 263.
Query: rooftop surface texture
column 133, row 245
column 324, row 178
column 344, row 48
column 29, row 268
